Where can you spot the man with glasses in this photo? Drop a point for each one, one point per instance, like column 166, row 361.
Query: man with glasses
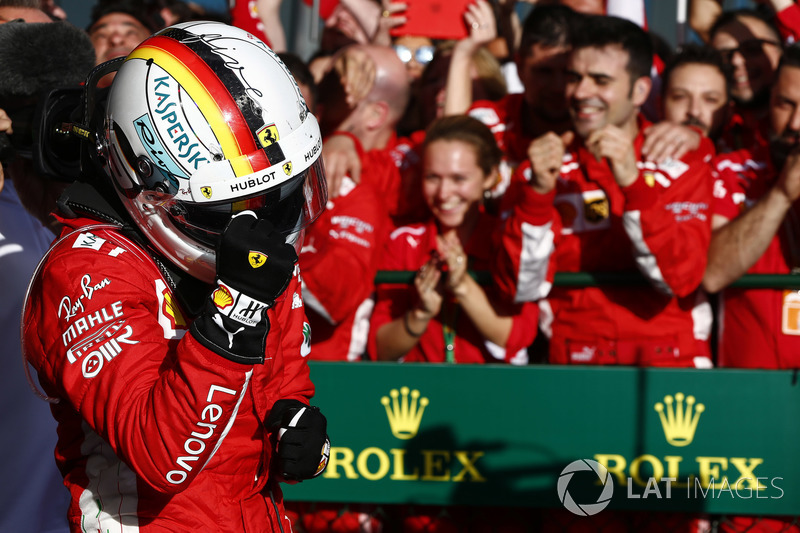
column 751, row 45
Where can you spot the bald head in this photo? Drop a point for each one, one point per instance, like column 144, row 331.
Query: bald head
column 28, row 14
column 391, row 78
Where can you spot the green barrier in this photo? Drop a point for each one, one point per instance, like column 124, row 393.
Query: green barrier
column 590, row 279
column 717, row 441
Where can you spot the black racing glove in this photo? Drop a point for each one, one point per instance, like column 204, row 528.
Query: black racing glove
column 301, row 440
column 254, row 266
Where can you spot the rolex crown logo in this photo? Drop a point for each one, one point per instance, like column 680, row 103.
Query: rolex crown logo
column 404, row 413
column 678, row 421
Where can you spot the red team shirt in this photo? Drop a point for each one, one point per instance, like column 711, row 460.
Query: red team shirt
column 659, row 225
column 339, row 261
column 341, row 252
column 760, row 328
column 504, row 118
column 410, row 247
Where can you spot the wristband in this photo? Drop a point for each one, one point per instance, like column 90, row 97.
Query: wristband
column 408, row 328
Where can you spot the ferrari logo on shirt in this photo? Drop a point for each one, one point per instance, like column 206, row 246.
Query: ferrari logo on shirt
column 268, row 135
column 256, row 259
column 206, row 191
column 596, row 209
column 287, row 168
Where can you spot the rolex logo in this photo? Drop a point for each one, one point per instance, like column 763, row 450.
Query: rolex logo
column 404, row 413
column 678, row 421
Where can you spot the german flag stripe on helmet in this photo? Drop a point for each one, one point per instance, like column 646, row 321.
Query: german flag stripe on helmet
column 219, row 63
column 219, row 96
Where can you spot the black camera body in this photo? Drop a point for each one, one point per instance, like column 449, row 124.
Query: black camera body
column 45, row 66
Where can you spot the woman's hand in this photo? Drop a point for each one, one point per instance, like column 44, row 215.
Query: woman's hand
column 456, row 259
column 482, row 25
column 429, row 295
column 393, row 15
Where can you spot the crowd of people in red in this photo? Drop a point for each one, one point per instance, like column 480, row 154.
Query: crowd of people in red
column 679, row 170
column 616, row 155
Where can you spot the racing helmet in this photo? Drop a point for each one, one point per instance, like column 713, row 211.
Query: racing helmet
column 203, row 121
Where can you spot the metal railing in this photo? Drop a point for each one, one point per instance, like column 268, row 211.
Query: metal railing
column 593, row 279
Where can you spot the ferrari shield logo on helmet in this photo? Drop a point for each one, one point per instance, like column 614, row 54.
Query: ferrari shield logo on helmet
column 287, row 168
column 268, row 135
column 256, row 259
column 206, row 191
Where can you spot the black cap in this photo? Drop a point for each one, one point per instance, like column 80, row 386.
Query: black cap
column 145, row 12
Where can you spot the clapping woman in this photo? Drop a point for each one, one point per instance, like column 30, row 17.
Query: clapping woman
column 446, row 316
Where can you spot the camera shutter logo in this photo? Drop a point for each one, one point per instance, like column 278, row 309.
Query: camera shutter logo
column 586, row 509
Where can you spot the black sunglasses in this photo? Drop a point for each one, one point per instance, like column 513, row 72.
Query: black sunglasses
column 749, row 49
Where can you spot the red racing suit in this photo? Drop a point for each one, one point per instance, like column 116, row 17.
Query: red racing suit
column 659, row 225
column 745, row 130
column 760, row 328
column 156, row 432
column 339, row 261
column 505, row 120
column 410, row 247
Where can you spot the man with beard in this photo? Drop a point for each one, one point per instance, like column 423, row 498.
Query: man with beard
column 593, row 202
column 756, row 229
column 117, row 28
column 696, row 90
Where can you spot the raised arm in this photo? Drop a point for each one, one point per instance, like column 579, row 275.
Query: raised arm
column 737, row 244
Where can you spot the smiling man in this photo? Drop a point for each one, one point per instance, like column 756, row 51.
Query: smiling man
column 614, row 212
column 696, row 90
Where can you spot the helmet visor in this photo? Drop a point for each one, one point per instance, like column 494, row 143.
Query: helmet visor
column 290, row 207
